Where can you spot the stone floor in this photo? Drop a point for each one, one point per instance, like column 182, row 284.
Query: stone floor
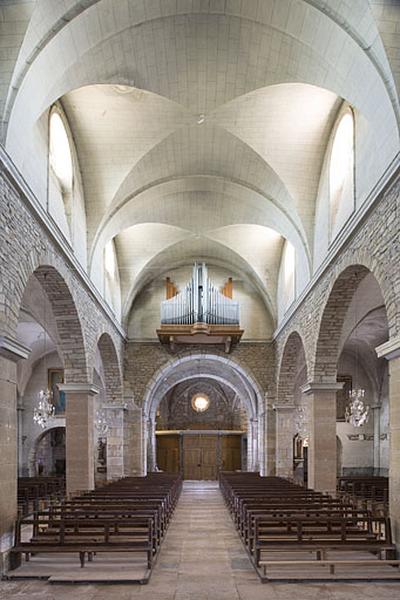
column 202, row 558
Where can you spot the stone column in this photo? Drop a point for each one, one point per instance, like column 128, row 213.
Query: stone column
column 284, row 439
column 391, row 351
column 322, row 444
column 20, row 442
column 252, row 446
column 79, row 442
column 270, row 441
column 10, row 352
column 115, row 441
column 261, row 443
column 376, row 410
column 134, row 442
column 151, row 445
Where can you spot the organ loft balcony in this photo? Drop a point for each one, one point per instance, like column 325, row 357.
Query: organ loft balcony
column 200, row 313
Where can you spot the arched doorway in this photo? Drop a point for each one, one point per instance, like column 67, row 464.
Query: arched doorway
column 292, row 414
column 354, row 322
column 48, row 453
column 196, row 372
column 201, row 428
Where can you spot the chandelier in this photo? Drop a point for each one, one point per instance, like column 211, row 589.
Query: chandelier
column 301, row 421
column 45, row 410
column 102, row 422
column 357, row 412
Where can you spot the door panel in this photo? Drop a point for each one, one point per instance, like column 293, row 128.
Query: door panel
column 200, row 456
column 168, row 455
column 231, row 452
column 209, row 451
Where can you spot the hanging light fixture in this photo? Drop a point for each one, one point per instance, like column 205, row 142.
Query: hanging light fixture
column 44, row 411
column 357, row 412
column 102, row 422
column 301, row 420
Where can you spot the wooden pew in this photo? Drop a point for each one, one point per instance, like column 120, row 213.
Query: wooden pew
column 129, row 515
column 275, row 516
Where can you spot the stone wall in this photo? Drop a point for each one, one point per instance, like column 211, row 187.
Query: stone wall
column 375, row 245
column 143, row 360
column 29, row 247
column 225, row 410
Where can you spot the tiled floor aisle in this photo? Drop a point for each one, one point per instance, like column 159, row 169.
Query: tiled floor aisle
column 201, row 559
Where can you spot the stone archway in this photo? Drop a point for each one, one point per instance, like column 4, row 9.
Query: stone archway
column 114, row 408
column 293, row 362
column 32, row 459
column 213, row 367
column 324, row 386
column 111, row 369
column 77, row 387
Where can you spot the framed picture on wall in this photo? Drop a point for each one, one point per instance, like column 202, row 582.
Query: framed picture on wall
column 56, row 376
column 342, row 396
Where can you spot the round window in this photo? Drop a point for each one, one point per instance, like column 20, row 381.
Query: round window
column 200, row 402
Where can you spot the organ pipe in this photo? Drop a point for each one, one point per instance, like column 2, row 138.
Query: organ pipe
column 200, row 302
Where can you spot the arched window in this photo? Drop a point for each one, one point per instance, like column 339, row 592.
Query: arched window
column 110, row 265
column 288, row 274
column 341, row 173
column 65, row 199
column 60, row 152
column 111, row 277
column 61, row 173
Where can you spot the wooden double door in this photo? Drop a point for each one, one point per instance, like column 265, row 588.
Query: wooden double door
column 198, row 455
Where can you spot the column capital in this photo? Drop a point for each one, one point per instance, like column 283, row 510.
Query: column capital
column 79, row 388
column 390, row 349
column 12, row 349
column 316, row 387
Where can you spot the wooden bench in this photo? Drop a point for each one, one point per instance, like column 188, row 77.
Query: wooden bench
column 331, row 563
column 322, row 534
column 126, row 516
column 273, row 515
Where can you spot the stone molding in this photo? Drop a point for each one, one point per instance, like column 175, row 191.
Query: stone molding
column 30, row 201
column 281, row 407
column 79, row 388
column 316, row 387
column 338, row 246
column 390, row 349
column 12, row 349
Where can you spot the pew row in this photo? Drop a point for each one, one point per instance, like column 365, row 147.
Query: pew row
column 284, row 525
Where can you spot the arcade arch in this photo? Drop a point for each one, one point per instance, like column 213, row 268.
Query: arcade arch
column 216, row 368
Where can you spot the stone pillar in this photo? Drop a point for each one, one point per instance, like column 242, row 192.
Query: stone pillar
column 252, row 446
column 20, row 442
column 10, row 352
column 79, row 442
column 151, row 445
column 376, row 410
column 134, row 442
column 391, row 351
column 270, row 441
column 115, row 441
column 261, row 443
column 284, row 428
column 322, row 444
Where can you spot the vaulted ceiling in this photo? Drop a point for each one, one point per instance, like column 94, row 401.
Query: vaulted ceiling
column 200, row 127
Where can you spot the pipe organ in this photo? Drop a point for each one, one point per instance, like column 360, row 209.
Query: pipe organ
column 200, row 313
column 200, row 302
